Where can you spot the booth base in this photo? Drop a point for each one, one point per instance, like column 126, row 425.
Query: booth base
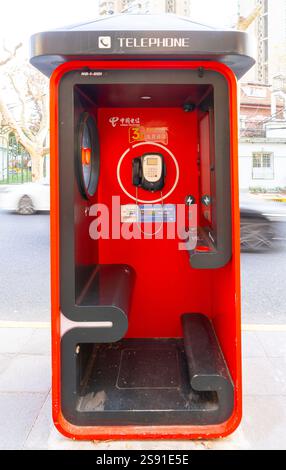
column 143, row 381
column 149, row 381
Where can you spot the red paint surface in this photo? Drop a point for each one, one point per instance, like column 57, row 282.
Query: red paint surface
column 166, row 286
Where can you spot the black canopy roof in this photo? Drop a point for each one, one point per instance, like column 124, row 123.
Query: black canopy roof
column 143, row 36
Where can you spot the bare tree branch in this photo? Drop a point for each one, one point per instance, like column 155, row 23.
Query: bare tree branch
column 22, row 101
column 28, row 120
column 11, row 54
column 11, row 121
column 44, row 124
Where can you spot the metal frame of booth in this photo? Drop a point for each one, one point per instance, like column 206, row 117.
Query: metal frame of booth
column 231, row 320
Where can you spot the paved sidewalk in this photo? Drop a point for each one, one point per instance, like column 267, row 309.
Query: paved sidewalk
column 25, row 407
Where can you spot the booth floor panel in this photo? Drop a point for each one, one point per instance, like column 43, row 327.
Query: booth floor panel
column 142, row 380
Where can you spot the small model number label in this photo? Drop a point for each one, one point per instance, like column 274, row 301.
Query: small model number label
column 90, row 73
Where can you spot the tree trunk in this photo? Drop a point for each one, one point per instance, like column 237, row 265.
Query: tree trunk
column 37, row 166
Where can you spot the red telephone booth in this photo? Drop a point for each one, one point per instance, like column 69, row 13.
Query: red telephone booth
column 144, row 226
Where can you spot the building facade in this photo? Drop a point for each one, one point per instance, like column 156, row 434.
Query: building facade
column 259, row 106
column 269, row 34
column 262, row 145
column 262, row 163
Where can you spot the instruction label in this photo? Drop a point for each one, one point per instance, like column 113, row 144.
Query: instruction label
column 129, row 213
column 157, row 213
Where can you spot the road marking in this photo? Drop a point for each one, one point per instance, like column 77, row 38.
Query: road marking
column 47, row 325
column 274, row 215
column 267, row 328
column 25, row 324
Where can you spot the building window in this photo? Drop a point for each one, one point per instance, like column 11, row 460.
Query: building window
column 170, row 6
column 262, row 166
column 257, row 92
column 243, row 120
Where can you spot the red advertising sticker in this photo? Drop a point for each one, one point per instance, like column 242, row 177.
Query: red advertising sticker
column 148, row 134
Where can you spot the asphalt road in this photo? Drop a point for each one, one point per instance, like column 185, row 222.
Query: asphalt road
column 24, row 267
column 25, row 284
column 263, row 283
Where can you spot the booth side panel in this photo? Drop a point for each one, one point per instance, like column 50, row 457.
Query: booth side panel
column 86, row 251
column 226, row 286
column 54, row 247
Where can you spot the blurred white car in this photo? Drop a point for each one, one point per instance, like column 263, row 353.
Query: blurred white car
column 27, row 198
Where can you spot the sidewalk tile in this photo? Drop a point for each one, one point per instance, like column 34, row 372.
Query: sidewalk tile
column 38, row 343
column 26, row 374
column 259, row 377
column 264, row 422
column 5, row 362
column 13, row 339
column 58, row 442
column 273, row 342
column 251, row 346
column 236, row 441
column 39, row 434
column 150, row 445
column 279, row 368
column 45, row 436
column 18, row 412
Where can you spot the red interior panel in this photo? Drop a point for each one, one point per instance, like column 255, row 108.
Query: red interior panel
column 160, row 297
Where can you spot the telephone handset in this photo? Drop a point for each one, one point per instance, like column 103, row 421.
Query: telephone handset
column 149, row 172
